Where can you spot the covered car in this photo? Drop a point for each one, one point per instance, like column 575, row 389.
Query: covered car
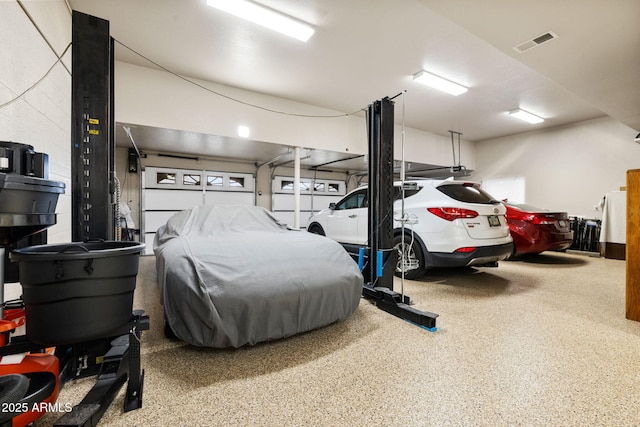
column 235, row 275
column 536, row 230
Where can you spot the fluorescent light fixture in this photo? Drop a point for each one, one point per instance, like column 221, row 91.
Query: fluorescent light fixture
column 526, row 116
column 439, row 83
column 268, row 18
column 243, row 131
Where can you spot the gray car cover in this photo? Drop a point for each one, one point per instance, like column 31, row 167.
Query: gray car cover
column 235, row 275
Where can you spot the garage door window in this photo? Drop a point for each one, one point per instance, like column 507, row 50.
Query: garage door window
column 284, row 185
column 165, row 178
column 288, row 185
column 188, row 179
column 214, row 181
column 236, row 182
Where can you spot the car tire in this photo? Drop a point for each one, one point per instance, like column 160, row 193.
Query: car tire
column 168, row 332
column 414, row 253
column 316, row 229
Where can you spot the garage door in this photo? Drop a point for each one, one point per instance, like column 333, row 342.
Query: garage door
column 315, row 195
column 167, row 191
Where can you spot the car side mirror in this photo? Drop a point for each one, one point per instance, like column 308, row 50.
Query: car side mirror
column 332, row 206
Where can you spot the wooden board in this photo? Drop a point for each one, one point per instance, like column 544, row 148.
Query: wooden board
column 633, row 245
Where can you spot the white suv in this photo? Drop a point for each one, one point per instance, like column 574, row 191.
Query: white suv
column 447, row 224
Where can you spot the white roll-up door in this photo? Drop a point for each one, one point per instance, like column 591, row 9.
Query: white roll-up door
column 167, row 191
column 315, row 195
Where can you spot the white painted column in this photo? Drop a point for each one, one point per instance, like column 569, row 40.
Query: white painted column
column 296, row 188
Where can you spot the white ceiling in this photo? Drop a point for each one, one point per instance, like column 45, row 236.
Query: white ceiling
column 364, row 50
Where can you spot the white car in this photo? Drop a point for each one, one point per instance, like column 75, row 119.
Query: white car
column 447, row 224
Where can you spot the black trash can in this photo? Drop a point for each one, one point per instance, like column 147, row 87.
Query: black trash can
column 77, row 292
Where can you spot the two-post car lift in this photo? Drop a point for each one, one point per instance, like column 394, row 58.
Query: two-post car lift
column 379, row 270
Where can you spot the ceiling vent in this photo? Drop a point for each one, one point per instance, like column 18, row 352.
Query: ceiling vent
column 535, row 42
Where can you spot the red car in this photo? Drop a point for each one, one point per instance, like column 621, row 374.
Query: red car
column 536, row 230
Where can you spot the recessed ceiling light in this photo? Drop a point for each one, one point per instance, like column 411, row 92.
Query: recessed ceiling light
column 526, row 116
column 439, row 83
column 266, row 17
column 243, row 131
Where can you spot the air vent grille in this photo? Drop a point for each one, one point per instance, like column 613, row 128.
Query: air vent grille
column 544, row 38
column 535, row 42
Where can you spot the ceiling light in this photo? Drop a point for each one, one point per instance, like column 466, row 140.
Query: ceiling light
column 439, row 83
column 266, row 17
column 526, row 116
column 243, row 131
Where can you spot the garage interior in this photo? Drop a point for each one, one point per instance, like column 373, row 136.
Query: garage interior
column 539, row 340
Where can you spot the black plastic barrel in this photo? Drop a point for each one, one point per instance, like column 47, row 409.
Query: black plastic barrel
column 77, row 292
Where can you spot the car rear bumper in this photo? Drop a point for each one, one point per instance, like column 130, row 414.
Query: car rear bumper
column 480, row 256
column 540, row 242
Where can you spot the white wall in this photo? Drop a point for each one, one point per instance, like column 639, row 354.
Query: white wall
column 157, row 98
column 568, row 168
column 42, row 116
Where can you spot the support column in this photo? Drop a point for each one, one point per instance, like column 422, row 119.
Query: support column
column 296, row 188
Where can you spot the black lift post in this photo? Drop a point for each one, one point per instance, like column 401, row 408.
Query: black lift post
column 115, row 359
column 92, row 129
column 379, row 270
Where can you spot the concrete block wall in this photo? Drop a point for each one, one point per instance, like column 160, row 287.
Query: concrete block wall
column 35, row 89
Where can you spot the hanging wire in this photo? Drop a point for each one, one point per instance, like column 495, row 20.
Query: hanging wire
column 402, row 219
column 329, row 116
column 230, row 98
column 33, row 86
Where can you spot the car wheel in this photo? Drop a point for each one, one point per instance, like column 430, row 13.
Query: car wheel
column 316, row 229
column 168, row 332
column 414, row 258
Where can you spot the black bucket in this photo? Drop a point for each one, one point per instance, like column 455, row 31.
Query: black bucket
column 77, row 292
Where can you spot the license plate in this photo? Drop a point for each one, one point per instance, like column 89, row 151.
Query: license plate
column 494, row 221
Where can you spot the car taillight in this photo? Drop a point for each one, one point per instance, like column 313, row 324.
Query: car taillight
column 542, row 219
column 451, row 214
column 537, row 219
column 465, row 250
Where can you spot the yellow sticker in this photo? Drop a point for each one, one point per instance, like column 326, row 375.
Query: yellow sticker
column 94, row 121
column 94, row 132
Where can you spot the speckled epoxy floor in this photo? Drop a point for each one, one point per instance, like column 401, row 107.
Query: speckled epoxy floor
column 534, row 342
